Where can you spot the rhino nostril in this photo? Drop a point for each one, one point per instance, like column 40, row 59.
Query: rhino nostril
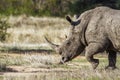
column 63, row 58
column 60, row 52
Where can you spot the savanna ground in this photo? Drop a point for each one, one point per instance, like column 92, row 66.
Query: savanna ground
column 25, row 55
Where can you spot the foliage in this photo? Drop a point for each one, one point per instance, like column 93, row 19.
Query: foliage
column 4, row 25
column 52, row 7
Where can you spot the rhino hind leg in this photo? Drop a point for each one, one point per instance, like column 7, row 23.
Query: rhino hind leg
column 91, row 50
column 111, row 60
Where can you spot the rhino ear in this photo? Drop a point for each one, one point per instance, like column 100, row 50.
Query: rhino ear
column 74, row 23
column 69, row 19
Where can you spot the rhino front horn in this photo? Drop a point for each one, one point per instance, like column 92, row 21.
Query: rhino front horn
column 54, row 46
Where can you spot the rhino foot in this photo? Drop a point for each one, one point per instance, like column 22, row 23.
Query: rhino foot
column 111, row 68
column 95, row 63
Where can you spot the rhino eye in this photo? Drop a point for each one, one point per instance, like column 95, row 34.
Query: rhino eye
column 60, row 52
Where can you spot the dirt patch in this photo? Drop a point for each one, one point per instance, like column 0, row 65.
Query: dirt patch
column 30, row 69
column 39, row 63
column 62, row 68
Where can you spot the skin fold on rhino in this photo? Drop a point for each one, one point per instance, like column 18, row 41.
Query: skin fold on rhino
column 95, row 31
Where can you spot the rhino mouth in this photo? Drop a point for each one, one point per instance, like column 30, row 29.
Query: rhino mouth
column 64, row 59
column 68, row 58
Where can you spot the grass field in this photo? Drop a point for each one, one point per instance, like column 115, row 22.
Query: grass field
column 25, row 55
column 31, row 30
column 35, row 66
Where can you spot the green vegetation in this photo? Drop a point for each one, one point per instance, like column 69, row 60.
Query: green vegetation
column 51, row 7
column 4, row 25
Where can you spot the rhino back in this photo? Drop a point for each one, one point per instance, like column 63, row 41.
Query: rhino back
column 113, row 27
column 104, row 26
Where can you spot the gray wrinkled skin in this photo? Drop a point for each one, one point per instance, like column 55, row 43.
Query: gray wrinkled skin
column 95, row 31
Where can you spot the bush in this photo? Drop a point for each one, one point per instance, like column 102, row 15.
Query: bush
column 4, row 25
column 52, row 7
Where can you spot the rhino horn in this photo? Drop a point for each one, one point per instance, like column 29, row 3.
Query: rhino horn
column 74, row 23
column 54, row 46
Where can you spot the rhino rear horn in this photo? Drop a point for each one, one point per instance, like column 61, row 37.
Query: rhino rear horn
column 54, row 46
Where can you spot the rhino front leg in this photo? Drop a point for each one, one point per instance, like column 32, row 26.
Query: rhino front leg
column 112, row 60
column 91, row 50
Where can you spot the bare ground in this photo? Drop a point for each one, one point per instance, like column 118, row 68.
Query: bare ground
column 77, row 69
column 44, row 72
column 70, row 66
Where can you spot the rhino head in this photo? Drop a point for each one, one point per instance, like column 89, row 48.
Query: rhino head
column 73, row 45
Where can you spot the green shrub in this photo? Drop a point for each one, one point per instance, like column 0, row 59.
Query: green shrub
column 51, row 7
column 4, row 25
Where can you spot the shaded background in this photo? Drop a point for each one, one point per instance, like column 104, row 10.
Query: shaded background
column 24, row 23
column 52, row 7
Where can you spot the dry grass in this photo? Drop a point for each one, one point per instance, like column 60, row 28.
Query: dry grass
column 44, row 67
column 84, row 75
column 28, row 33
column 33, row 60
column 31, row 30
